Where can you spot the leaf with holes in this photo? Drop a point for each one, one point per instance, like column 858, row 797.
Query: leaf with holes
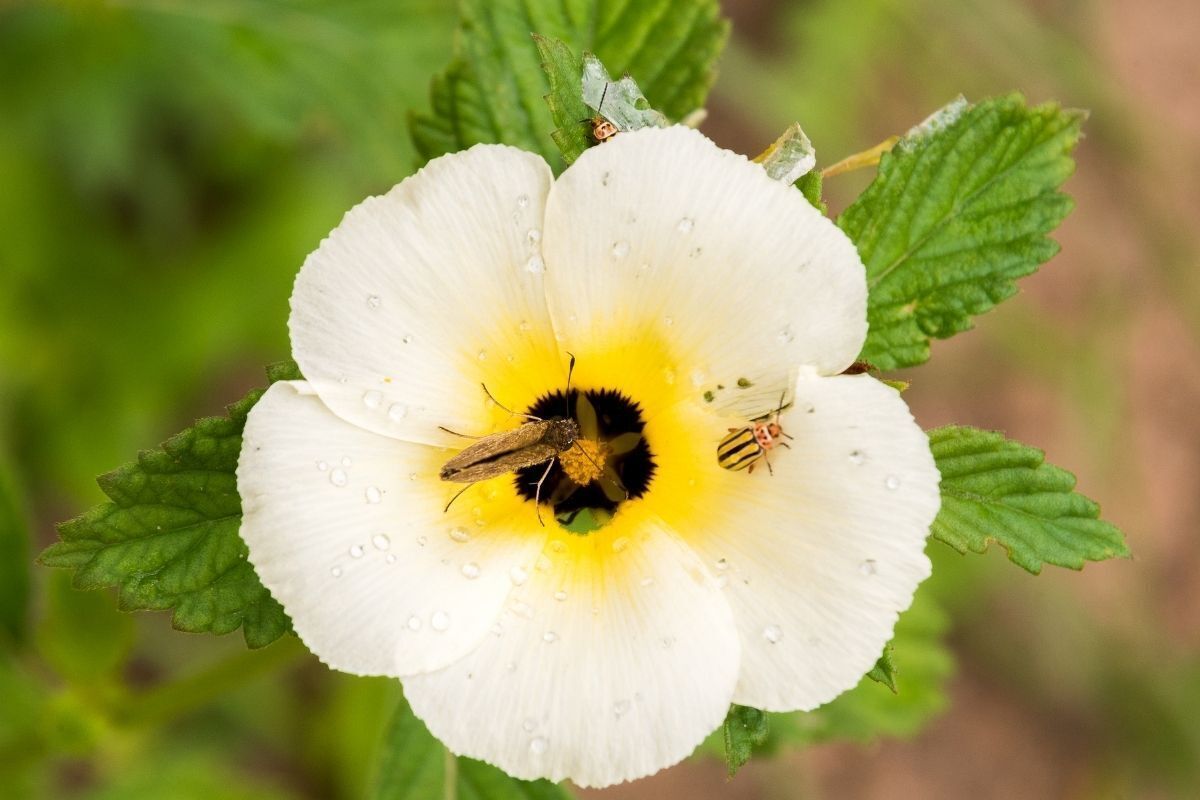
column 169, row 538
column 997, row 490
column 960, row 209
column 493, row 89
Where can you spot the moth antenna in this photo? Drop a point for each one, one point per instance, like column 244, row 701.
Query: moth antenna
column 506, row 408
column 457, row 495
column 589, row 458
column 570, row 372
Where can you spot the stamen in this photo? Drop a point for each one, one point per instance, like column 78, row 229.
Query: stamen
column 585, row 462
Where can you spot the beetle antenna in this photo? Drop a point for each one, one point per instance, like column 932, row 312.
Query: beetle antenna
column 602, row 95
column 779, row 410
column 506, row 408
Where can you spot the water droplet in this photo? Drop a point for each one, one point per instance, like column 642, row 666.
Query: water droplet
column 470, row 570
column 533, row 237
column 892, row 483
column 722, row 564
column 722, row 581
column 373, row 301
column 408, row 339
column 697, row 378
column 524, row 325
column 620, row 249
column 669, row 376
column 414, row 623
column 809, row 408
column 336, row 572
column 412, row 476
column 668, row 321
column 647, row 582
column 322, row 465
column 786, row 336
column 538, row 745
column 529, row 724
column 460, row 535
column 391, row 559
column 372, row 494
column 510, row 358
column 620, row 708
column 549, row 637
column 620, row 544
column 511, row 666
column 605, row 178
column 857, row 457
column 397, row 412
column 518, row 575
column 356, row 551
column 685, row 225
column 523, row 201
column 535, row 264
column 543, row 564
column 381, row 542
column 522, row 609
column 439, row 621
column 338, row 477
column 558, row 546
column 772, row 633
column 867, row 567
column 421, row 541
column 372, row 399
column 695, row 253
column 346, row 462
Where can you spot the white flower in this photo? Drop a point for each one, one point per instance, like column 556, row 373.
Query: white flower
column 694, row 292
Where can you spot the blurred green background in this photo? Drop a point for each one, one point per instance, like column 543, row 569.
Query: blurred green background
column 165, row 166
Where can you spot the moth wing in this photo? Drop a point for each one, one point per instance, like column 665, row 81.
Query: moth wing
column 489, row 447
column 508, row 462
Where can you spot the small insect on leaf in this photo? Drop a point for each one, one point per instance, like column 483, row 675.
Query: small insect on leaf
column 742, row 448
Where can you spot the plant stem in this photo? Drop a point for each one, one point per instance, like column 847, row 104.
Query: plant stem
column 450, row 775
column 165, row 703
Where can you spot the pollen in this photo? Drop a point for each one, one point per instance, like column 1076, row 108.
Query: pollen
column 584, row 463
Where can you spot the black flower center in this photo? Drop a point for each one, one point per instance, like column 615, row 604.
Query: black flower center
column 610, row 463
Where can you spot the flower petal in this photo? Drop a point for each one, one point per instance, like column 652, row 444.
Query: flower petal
column 393, row 313
column 614, row 662
column 346, row 530
column 659, row 236
column 819, row 557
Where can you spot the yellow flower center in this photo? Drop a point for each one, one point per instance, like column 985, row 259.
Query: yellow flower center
column 585, row 462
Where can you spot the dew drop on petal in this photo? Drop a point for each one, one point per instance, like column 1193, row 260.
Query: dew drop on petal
column 523, row 201
column 535, row 264
column 549, row 637
column 685, row 225
column 336, row 572
column 645, row 582
column 528, row 724
column 857, row 457
column 722, row 564
column 408, row 339
column 421, row 541
column 470, row 570
column 372, row 494
column 560, row 596
column 373, row 301
column 542, row 564
column 533, row 236
column 397, row 412
column 786, row 336
column 668, row 321
column 322, row 465
column 697, row 378
column 620, row 249
column 346, row 462
column 558, row 546
column 338, row 477
column 380, row 541
column 524, row 325
column 892, row 483
column 772, row 633
column 460, row 535
column 481, row 355
column 522, row 609
column 414, row 623
column 867, row 567
column 356, row 551
column 620, row 544
column 722, row 581
column 372, row 399
column 391, row 559
column 439, row 621
column 620, row 708
column 518, row 575
column 695, row 253
column 538, row 745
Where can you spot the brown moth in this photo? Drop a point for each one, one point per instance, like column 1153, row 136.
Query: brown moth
column 535, row 441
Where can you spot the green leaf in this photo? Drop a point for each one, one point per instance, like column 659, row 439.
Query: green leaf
column 493, row 89
column 14, row 561
column 169, row 538
column 790, row 157
column 960, row 209
column 414, row 766
column 884, row 670
column 997, row 490
column 744, row 729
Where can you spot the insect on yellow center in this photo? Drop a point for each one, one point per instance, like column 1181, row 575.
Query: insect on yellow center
column 585, row 462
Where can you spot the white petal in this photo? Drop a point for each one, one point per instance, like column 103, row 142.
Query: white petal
column 610, row 665
column 820, row 557
column 701, row 267
column 346, row 530
column 408, row 303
